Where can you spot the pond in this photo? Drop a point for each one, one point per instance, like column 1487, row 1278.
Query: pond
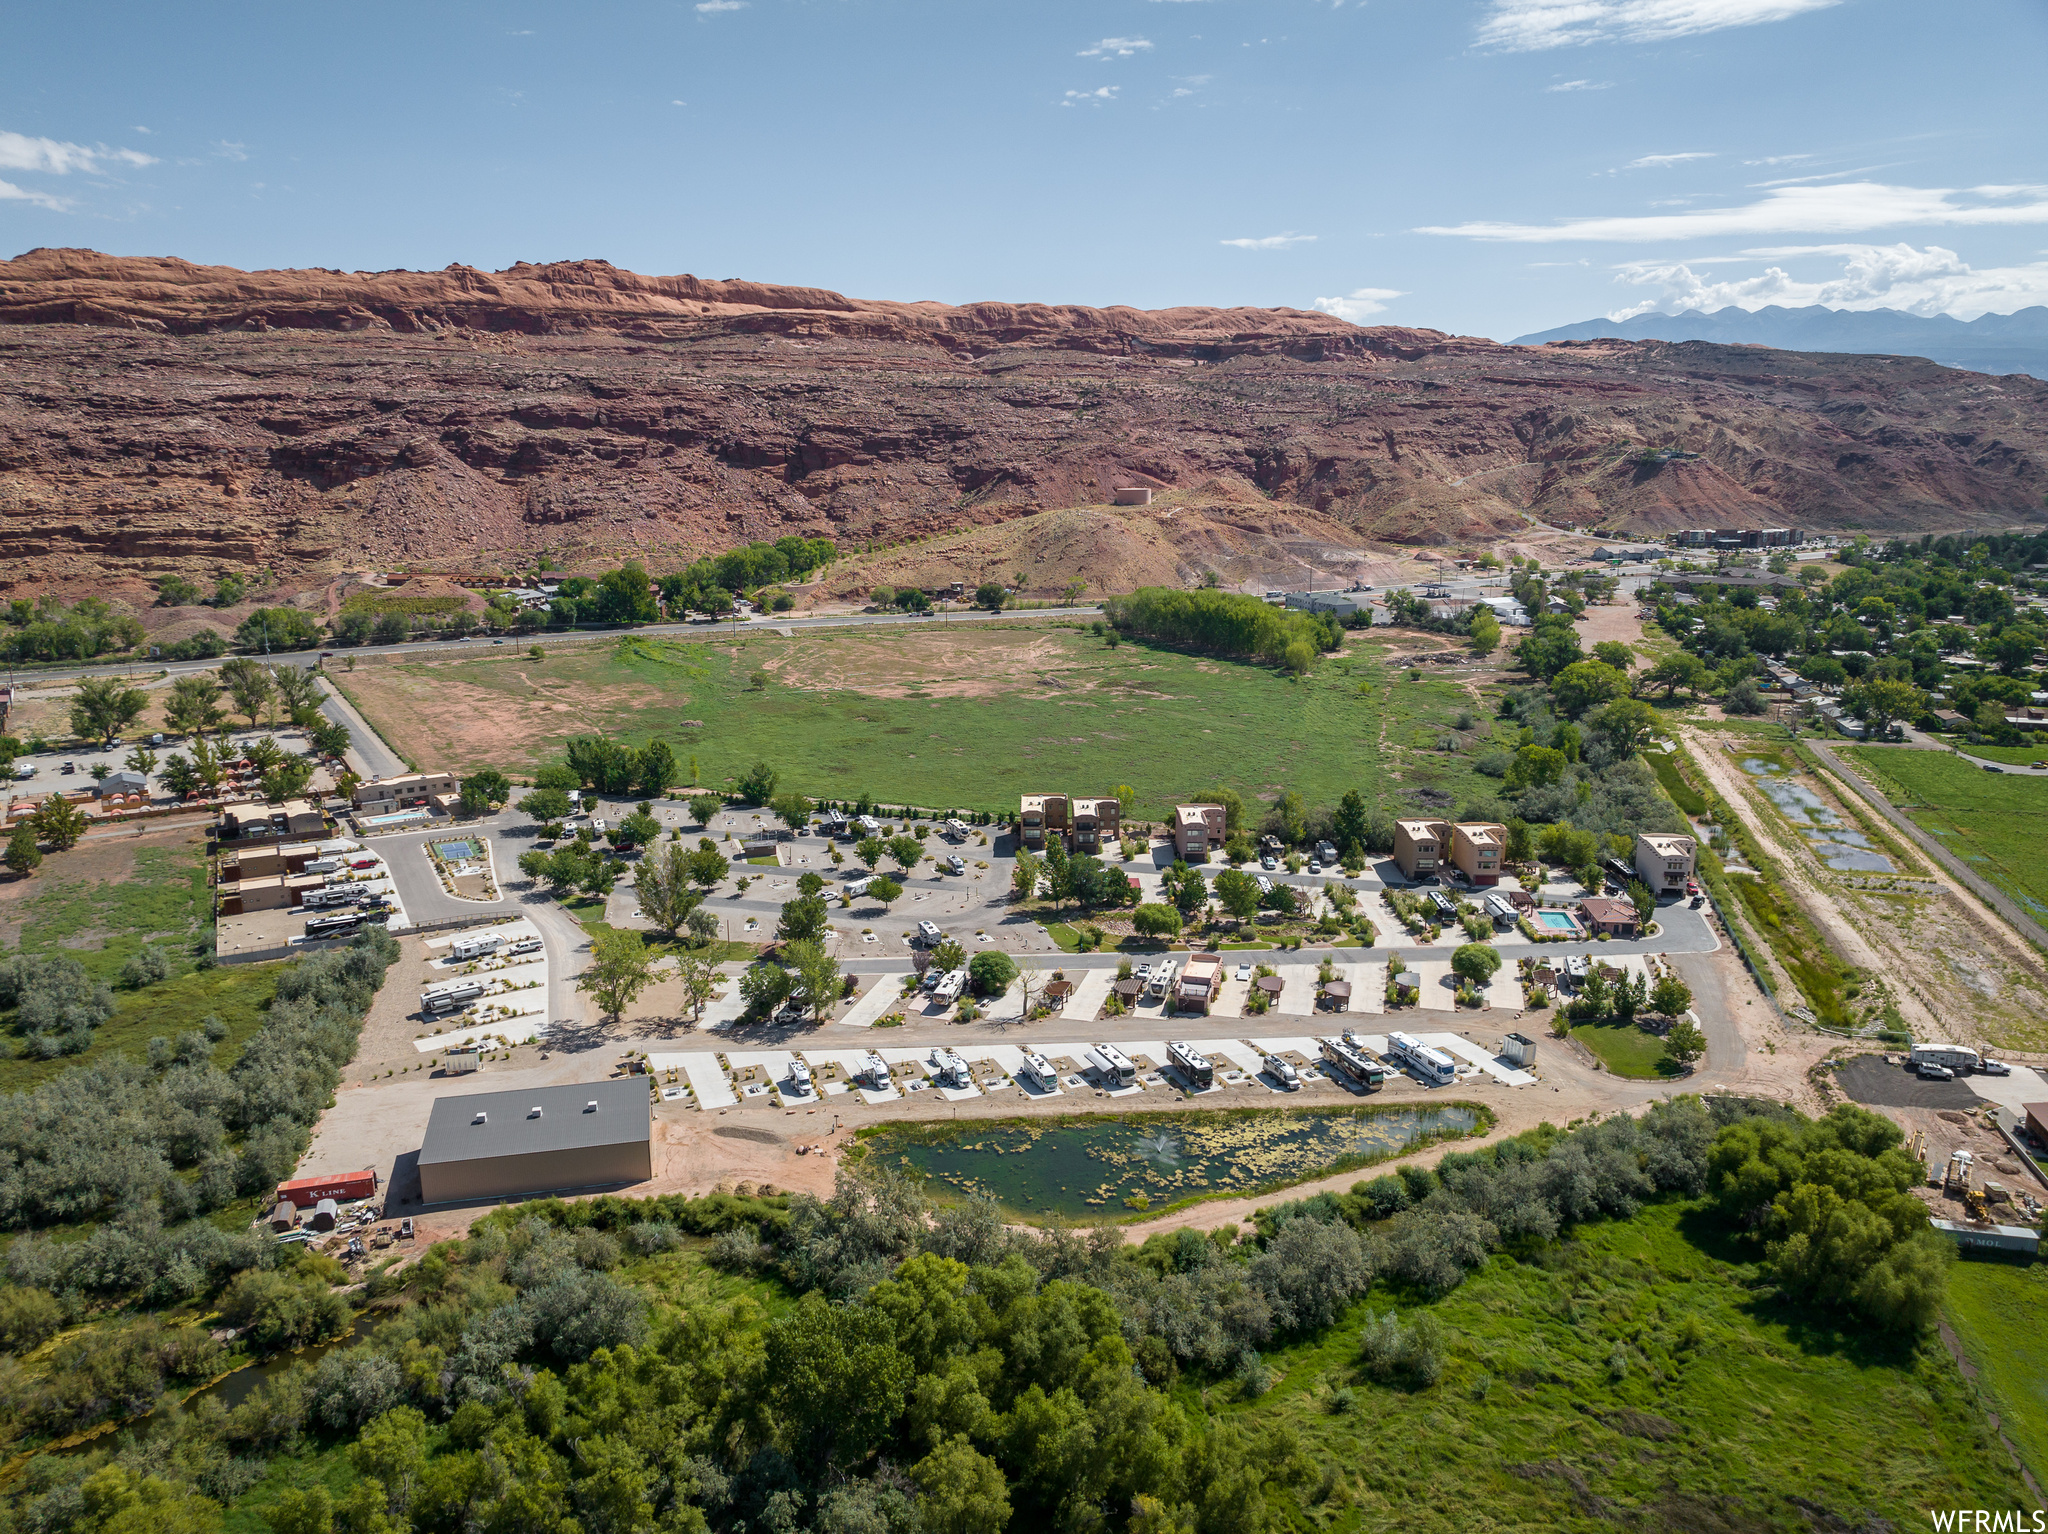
column 1097, row 1166
column 1833, row 843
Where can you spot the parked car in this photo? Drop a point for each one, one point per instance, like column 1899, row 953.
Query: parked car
column 1142, row 972
column 1243, row 972
column 1994, row 1067
column 1268, row 862
column 1314, row 866
column 1929, row 1071
column 1988, row 767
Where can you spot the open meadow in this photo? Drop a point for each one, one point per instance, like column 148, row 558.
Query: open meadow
column 951, row 717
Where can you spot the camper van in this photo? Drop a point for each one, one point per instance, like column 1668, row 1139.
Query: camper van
column 1036, row 1071
column 1283, row 1072
column 332, row 895
column 1348, row 1062
column 1162, row 981
column 1195, row 1067
column 949, row 1070
column 799, row 1079
column 1116, row 1066
column 474, row 945
column 928, row 933
column 446, row 998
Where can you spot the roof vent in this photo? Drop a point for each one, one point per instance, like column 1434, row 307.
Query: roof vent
column 481, row 1117
column 591, row 1106
column 534, row 1111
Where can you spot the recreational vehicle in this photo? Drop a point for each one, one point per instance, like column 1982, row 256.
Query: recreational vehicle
column 446, row 998
column 1195, row 1067
column 1283, row 1072
column 949, row 1070
column 1432, row 1065
column 1036, row 1071
column 1350, row 1063
column 1116, row 1066
column 474, row 945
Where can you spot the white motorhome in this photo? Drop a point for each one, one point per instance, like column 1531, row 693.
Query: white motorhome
column 1115, row 1065
column 334, row 926
column 446, row 998
column 474, row 945
column 799, row 1079
column 332, row 895
column 1283, row 1072
column 1162, row 980
column 1956, row 1057
column 956, row 864
column 867, row 825
column 957, row 830
column 1432, row 1065
column 872, row 1072
column 1037, row 1071
column 857, row 887
column 928, row 933
column 1194, row 1066
column 950, row 985
column 949, row 1070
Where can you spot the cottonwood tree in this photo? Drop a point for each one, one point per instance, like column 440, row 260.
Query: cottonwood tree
column 793, row 810
column 620, row 969
column 906, row 851
column 104, row 707
column 818, row 972
column 484, row 791
column 1238, row 892
column 870, row 850
column 1024, row 875
column 804, row 920
column 1670, row 997
column 545, row 804
column 700, row 976
column 249, row 683
column 662, row 881
column 298, row 690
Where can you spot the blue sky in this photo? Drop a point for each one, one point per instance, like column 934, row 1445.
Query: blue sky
column 1486, row 167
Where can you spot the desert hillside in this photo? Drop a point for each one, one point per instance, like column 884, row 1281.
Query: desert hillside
column 158, row 416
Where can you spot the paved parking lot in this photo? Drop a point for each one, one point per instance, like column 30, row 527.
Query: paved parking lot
column 1869, row 1080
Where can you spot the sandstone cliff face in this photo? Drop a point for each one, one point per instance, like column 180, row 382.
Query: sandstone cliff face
column 159, row 416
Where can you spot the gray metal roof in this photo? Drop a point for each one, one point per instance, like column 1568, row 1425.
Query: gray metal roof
column 510, row 1127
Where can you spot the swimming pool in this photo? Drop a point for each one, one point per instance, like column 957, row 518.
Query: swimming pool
column 398, row 819
column 1556, row 921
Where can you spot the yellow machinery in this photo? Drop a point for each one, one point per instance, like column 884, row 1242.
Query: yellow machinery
column 1978, row 1205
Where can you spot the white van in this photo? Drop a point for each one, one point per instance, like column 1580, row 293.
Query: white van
column 956, row 864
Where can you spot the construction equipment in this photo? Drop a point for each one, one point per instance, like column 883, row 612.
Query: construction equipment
column 1956, row 1179
column 1979, row 1205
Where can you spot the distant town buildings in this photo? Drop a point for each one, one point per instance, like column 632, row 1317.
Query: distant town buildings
column 1739, row 537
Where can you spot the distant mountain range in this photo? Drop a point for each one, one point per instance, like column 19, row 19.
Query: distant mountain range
column 1993, row 343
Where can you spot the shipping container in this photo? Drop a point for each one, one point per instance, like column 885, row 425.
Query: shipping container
column 308, row 1191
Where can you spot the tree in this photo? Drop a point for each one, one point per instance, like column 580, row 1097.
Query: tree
column 1187, row 889
column 59, row 822
column 887, row 891
column 1476, row 962
column 793, row 810
column 1485, row 631
column 1681, row 669
column 1670, row 997
column 180, row 777
column 655, row 769
column 545, row 804
column 1155, row 920
column 1232, row 803
column 700, row 977
column 704, row 806
column 142, row 760
column 620, row 969
column 804, row 920
column 330, row 737
column 1533, row 767
column 765, row 987
column 287, row 780
column 1351, row 824
column 1024, row 875
column 990, row 972
column 23, row 855
column 484, row 791
column 390, row 628
column 193, row 707
column 818, row 972
column 871, row 850
column 964, row 1490
column 104, row 707
column 639, row 829
column 662, row 881
column 1643, row 899
column 1238, row 892
column 837, row 1381
column 248, row 683
column 1685, row 1043
column 277, row 628
column 991, row 595
column 906, row 852
column 1881, row 701
column 707, row 867
column 1586, row 684
column 757, row 786
column 1626, row 724
column 1743, row 698
column 1614, row 653
column 298, row 689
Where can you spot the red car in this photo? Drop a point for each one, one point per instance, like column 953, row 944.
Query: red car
column 362, row 862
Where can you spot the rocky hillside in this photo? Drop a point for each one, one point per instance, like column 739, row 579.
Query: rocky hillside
column 157, row 416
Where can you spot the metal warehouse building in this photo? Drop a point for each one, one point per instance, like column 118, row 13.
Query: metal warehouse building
column 541, row 1140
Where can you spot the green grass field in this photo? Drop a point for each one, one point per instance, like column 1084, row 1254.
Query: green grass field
column 1627, row 1050
column 1994, row 822
column 951, row 718
column 2024, row 755
column 1636, row 1377
column 1999, row 1311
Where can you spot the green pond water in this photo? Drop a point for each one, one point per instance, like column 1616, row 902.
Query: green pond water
column 1101, row 1166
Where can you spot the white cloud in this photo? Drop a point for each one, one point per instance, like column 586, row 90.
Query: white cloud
column 1271, row 241
column 231, row 151
column 679, row 103
column 1522, row 26
column 1359, row 304
column 1582, row 85
column 707, row 7
column 1660, row 161
column 1096, row 97
column 9, row 192
column 138, row 129
column 1115, row 48
column 52, row 157
column 1843, row 208
column 1779, row 159
column 1924, row 282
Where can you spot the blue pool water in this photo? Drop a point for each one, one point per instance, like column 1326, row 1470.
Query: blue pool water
column 1557, row 921
column 398, row 819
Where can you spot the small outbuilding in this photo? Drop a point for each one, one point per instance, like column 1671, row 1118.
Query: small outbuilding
column 326, row 1215
column 538, row 1140
column 1335, row 996
column 284, row 1217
